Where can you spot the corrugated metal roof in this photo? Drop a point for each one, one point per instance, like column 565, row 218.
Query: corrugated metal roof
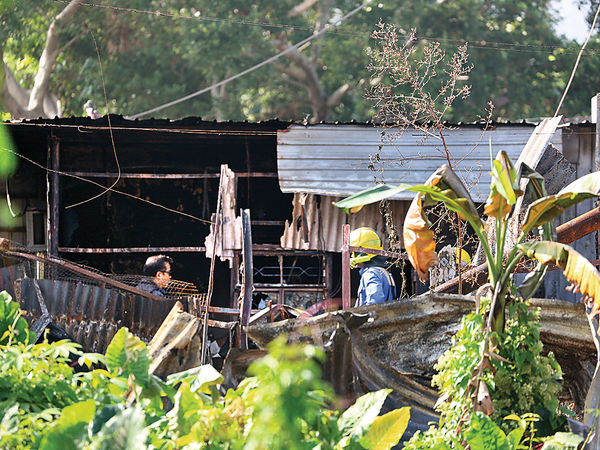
column 324, row 222
column 334, row 160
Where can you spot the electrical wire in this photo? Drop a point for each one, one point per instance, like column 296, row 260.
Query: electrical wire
column 110, row 130
column 592, row 28
column 255, row 67
column 481, row 44
column 126, row 194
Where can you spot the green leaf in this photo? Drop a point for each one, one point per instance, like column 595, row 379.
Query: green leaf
column 562, row 440
column 13, row 327
column 78, row 412
column 8, row 161
column 551, row 206
column 504, row 188
column 387, row 430
column 577, row 269
column 187, row 405
column 515, row 436
column 372, row 195
column 70, row 427
column 127, row 355
column 362, row 413
column 483, row 434
column 125, row 430
column 200, row 378
column 10, row 421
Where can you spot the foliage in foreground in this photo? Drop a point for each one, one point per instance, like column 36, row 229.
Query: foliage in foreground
column 46, row 405
column 494, row 367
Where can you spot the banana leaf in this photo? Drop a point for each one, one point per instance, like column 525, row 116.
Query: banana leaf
column 537, row 189
column 504, row 189
column 355, row 202
column 419, row 240
column 577, row 269
column 547, row 208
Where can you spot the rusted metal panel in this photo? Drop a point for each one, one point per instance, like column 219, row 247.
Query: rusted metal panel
column 8, row 276
column 92, row 314
column 324, row 223
column 334, row 159
column 400, row 346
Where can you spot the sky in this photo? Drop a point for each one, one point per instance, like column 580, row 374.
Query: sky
column 572, row 24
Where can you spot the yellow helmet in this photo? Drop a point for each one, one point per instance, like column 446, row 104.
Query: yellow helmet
column 367, row 238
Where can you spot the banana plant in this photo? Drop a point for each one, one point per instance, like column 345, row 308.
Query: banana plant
column 534, row 240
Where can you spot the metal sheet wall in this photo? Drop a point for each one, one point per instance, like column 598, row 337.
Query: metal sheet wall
column 92, row 314
column 324, row 222
column 334, row 159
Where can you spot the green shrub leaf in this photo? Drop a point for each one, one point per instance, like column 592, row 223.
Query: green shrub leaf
column 386, row 430
column 127, row 355
column 359, row 416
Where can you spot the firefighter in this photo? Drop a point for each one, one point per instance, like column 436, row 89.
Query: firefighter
column 376, row 283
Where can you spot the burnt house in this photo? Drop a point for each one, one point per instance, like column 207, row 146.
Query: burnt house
column 164, row 177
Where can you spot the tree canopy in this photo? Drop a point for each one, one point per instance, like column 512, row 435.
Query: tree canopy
column 58, row 54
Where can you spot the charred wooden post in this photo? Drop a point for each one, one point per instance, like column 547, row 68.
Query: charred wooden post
column 52, row 196
column 248, row 278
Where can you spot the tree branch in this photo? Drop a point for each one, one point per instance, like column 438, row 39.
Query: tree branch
column 301, row 7
column 336, row 98
column 48, row 58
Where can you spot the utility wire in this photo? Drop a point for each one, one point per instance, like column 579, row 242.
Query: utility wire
column 110, row 130
column 126, row 194
column 482, row 44
column 253, row 68
column 577, row 62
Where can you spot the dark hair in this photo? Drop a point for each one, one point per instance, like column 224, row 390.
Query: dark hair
column 156, row 264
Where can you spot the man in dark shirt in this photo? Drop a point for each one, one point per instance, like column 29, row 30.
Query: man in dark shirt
column 157, row 274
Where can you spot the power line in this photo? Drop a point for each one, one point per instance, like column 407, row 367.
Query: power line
column 577, row 61
column 116, row 191
column 256, row 66
column 482, row 44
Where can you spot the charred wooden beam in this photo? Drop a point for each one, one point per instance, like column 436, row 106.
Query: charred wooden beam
column 579, row 227
column 130, row 249
column 167, row 176
column 80, row 270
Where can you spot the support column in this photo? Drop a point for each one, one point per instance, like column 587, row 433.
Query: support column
column 52, row 196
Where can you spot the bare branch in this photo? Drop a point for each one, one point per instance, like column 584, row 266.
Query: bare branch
column 336, row 98
column 301, row 7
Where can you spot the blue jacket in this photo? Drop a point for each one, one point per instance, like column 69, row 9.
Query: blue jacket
column 151, row 287
column 376, row 286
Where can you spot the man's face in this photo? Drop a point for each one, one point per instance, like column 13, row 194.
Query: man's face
column 163, row 276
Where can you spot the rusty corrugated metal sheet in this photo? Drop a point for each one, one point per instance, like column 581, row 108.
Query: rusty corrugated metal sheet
column 92, row 314
column 399, row 348
column 8, row 276
column 324, row 222
column 334, row 160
